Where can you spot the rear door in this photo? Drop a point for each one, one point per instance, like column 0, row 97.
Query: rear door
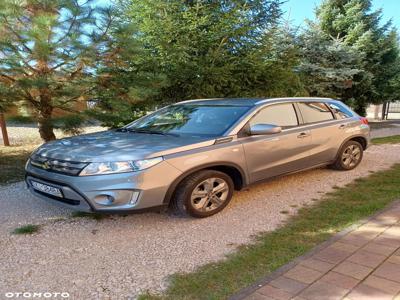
column 326, row 129
column 276, row 154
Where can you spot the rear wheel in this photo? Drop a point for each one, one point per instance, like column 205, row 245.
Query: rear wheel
column 349, row 156
column 203, row 194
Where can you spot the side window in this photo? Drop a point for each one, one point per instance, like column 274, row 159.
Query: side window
column 340, row 111
column 283, row 115
column 313, row 112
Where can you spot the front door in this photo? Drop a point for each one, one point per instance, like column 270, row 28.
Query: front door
column 276, row 154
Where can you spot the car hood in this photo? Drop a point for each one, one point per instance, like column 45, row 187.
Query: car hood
column 119, row 146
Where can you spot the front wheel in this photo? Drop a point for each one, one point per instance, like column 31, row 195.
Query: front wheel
column 349, row 156
column 203, row 194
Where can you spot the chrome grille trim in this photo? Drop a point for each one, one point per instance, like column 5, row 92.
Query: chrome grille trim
column 57, row 165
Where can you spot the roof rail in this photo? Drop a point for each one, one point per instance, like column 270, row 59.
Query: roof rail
column 293, row 99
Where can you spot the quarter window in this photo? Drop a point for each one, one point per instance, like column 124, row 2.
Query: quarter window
column 313, row 112
column 340, row 111
column 283, row 115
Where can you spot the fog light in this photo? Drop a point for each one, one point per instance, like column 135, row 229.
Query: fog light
column 134, row 198
column 104, row 199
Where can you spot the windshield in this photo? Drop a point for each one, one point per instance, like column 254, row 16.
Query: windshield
column 191, row 119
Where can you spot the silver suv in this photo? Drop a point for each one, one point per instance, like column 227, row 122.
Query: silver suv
column 192, row 155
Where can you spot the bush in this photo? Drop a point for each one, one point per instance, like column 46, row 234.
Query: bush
column 20, row 119
column 120, row 114
column 69, row 124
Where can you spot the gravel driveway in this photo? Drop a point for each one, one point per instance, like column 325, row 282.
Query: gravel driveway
column 118, row 257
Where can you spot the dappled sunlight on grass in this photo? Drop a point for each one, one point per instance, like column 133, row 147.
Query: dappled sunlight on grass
column 12, row 162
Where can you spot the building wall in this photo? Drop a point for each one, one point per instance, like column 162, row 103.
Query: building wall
column 374, row 112
column 394, row 116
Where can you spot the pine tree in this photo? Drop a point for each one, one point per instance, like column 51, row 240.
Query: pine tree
column 203, row 47
column 329, row 67
column 127, row 79
column 47, row 49
column 353, row 23
column 271, row 68
column 167, row 51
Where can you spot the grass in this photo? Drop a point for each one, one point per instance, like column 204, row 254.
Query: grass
column 311, row 226
column 81, row 214
column 12, row 162
column 394, row 139
column 26, row 229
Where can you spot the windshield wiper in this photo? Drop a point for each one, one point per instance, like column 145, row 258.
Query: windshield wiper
column 147, row 131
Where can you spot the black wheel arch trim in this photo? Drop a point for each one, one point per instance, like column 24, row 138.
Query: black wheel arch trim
column 172, row 187
column 351, row 138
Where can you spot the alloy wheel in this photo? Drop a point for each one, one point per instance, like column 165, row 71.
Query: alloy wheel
column 209, row 194
column 351, row 156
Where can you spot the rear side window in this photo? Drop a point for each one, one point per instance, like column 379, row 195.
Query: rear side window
column 283, row 115
column 340, row 111
column 313, row 112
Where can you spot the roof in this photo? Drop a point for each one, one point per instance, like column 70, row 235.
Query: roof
column 248, row 101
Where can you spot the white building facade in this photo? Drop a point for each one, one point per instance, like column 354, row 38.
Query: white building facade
column 386, row 111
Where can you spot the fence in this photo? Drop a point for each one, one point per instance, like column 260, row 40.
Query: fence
column 391, row 110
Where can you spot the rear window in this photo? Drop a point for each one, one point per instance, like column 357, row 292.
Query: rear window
column 314, row 112
column 340, row 111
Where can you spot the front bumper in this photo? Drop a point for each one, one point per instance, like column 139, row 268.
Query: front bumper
column 122, row 192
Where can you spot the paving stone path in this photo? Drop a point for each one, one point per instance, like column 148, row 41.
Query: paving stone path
column 357, row 264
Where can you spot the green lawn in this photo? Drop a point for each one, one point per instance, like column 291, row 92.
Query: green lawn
column 394, row 139
column 311, row 226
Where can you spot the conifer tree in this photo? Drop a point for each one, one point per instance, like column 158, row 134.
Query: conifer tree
column 47, row 51
column 353, row 23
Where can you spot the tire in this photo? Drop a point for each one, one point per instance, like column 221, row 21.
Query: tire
column 349, row 156
column 202, row 183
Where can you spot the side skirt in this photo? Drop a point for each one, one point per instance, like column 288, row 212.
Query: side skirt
column 287, row 173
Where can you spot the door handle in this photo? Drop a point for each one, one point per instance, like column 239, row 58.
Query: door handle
column 302, row 135
column 343, row 126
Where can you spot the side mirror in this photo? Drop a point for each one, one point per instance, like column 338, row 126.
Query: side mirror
column 261, row 129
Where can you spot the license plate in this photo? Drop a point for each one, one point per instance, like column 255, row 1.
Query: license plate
column 44, row 188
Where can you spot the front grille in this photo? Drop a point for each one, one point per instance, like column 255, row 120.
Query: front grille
column 57, row 165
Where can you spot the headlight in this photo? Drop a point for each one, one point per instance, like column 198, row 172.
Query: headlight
column 119, row 166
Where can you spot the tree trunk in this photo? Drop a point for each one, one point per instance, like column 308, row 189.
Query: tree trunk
column 45, row 124
column 4, row 130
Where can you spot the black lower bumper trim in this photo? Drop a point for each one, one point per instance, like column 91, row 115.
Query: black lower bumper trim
column 68, row 201
column 64, row 200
